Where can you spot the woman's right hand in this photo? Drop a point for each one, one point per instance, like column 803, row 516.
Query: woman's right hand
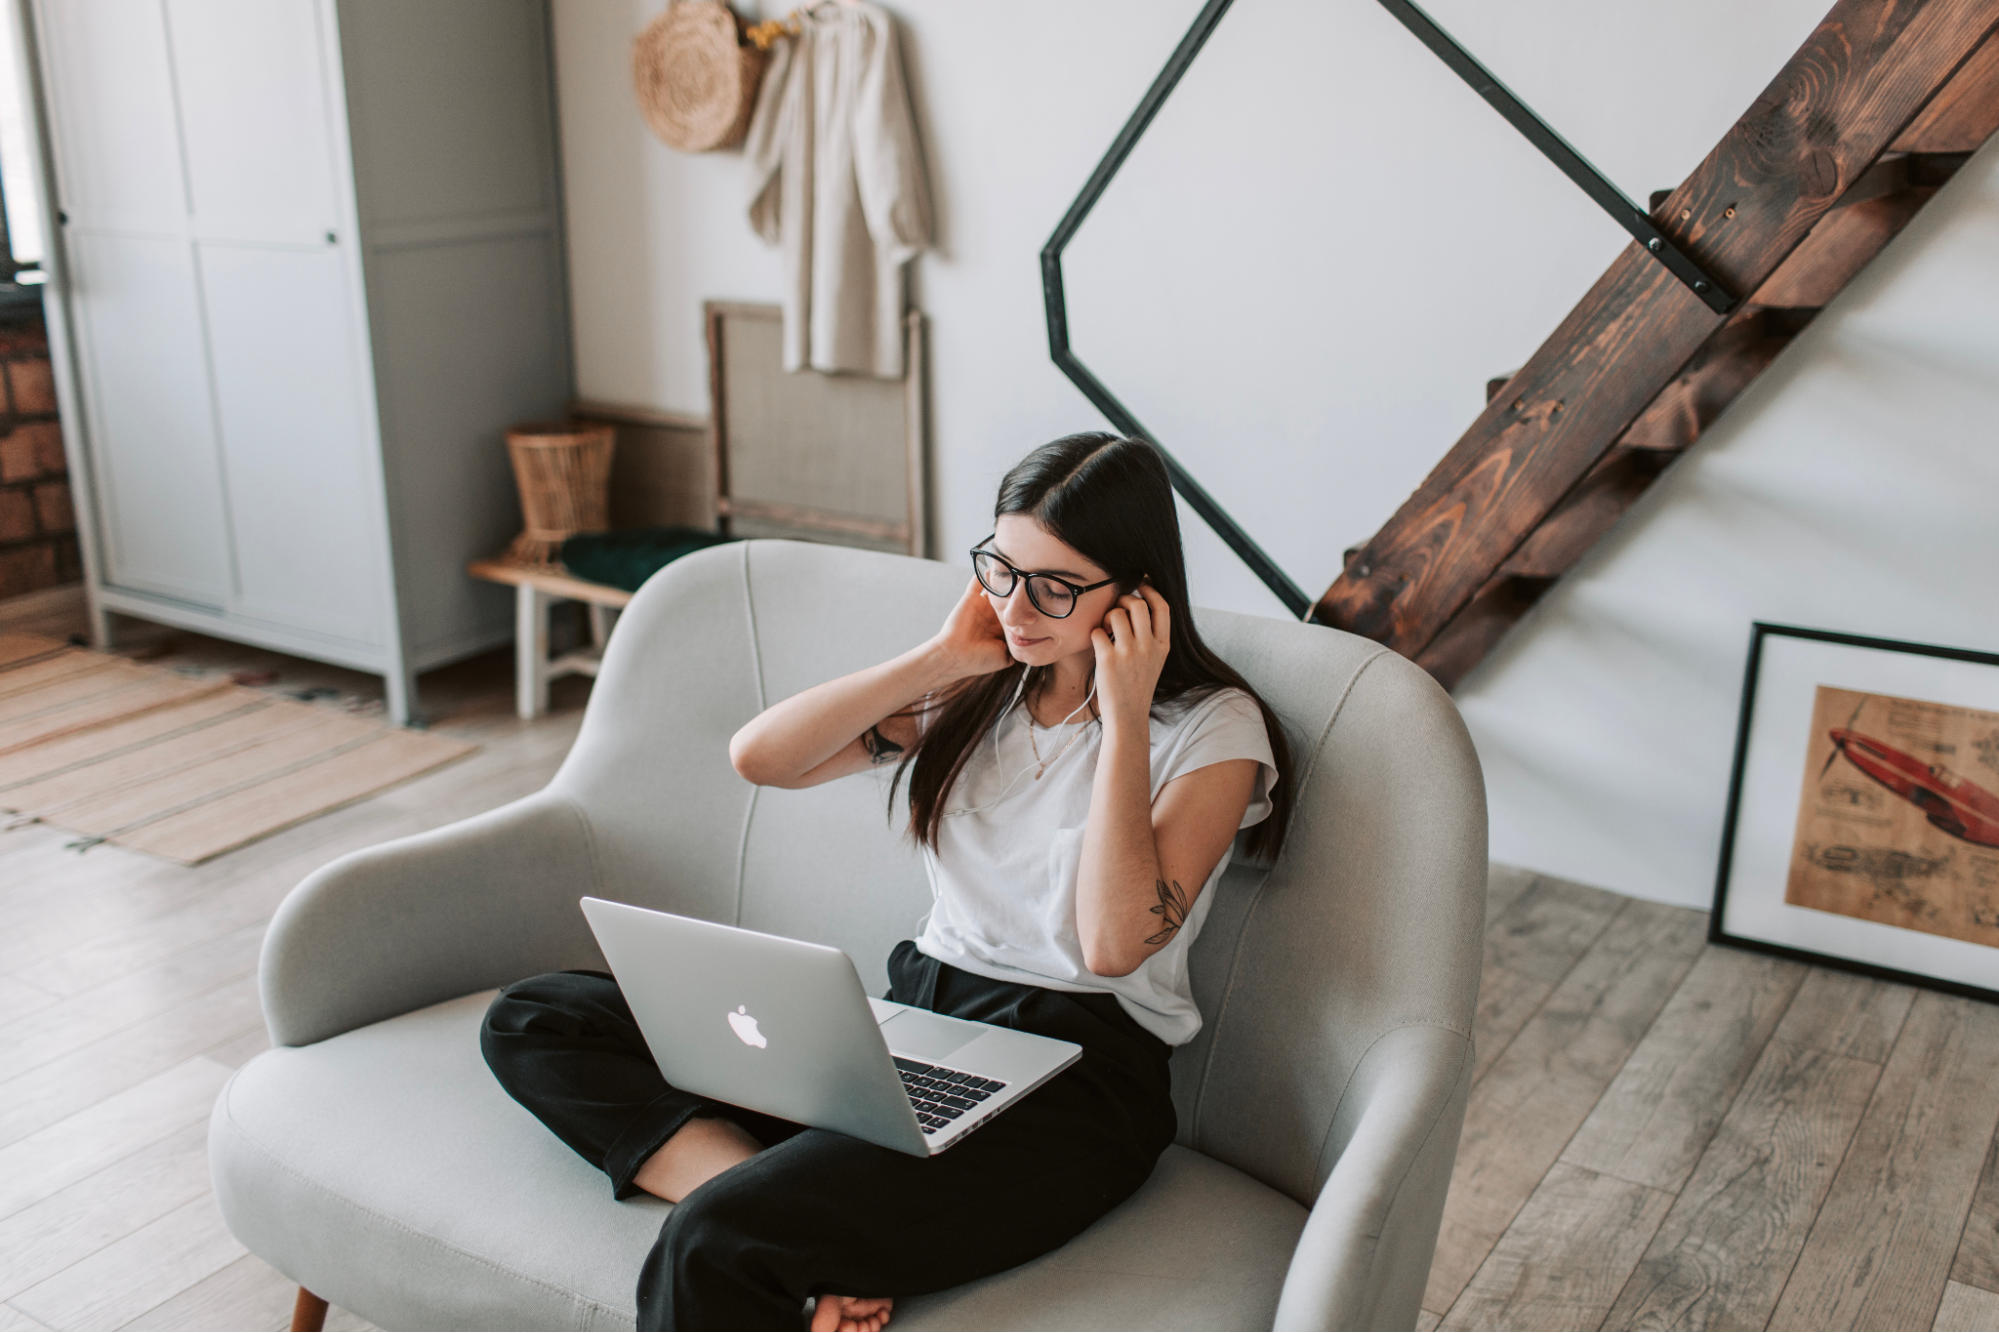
column 972, row 642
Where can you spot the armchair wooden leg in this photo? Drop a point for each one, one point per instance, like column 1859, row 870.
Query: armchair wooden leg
column 308, row 1313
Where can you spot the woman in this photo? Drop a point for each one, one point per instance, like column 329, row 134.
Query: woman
column 1078, row 765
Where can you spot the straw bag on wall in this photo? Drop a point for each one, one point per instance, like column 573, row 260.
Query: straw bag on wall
column 696, row 76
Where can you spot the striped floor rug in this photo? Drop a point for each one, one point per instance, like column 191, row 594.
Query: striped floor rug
column 183, row 768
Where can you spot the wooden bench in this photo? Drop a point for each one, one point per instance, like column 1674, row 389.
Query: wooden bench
column 535, row 591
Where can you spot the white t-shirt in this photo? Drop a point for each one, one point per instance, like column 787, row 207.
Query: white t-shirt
column 1009, row 845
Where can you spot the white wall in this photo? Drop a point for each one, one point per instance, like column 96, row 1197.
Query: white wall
column 1300, row 283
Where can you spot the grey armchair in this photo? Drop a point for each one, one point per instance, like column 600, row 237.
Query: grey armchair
column 371, row 1157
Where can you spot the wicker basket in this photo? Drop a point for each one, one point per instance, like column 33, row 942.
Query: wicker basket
column 696, row 76
column 563, row 470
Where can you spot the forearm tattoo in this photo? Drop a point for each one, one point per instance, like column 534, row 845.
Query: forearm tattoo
column 881, row 750
column 1174, row 903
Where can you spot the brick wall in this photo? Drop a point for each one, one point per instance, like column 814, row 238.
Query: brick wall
column 37, row 522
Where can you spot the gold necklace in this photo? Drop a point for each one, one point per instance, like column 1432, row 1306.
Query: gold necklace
column 1040, row 764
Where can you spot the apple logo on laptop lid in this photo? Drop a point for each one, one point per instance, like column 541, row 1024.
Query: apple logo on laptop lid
column 746, row 1028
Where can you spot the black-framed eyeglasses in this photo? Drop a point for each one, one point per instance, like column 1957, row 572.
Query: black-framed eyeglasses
column 1052, row 597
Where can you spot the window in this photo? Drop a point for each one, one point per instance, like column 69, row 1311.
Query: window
column 23, row 242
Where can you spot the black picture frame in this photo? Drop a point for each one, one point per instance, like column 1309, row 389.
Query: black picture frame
column 1761, row 633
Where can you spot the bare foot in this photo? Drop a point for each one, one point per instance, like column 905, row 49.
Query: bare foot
column 851, row 1314
column 699, row 1151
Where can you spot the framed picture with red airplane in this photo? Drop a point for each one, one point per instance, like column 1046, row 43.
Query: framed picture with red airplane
column 1863, row 812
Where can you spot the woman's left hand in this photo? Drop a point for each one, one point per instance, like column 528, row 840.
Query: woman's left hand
column 1131, row 645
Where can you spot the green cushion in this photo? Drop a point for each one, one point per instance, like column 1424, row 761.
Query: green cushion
column 628, row 558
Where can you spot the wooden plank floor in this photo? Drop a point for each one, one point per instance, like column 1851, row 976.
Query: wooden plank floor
column 137, row 981
column 1661, row 1135
column 1665, row 1134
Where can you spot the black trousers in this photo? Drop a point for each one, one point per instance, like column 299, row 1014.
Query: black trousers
column 817, row 1211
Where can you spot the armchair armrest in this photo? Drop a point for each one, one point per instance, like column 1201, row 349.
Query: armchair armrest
column 1366, row 1250
column 393, row 928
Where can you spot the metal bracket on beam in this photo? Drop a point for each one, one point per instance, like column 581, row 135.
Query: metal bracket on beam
column 1559, row 151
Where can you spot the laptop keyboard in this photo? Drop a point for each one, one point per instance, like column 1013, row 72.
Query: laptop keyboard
column 941, row 1095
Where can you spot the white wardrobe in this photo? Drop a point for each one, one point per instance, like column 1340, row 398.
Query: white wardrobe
column 311, row 267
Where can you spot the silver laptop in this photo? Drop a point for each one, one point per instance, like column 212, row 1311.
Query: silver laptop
column 784, row 1027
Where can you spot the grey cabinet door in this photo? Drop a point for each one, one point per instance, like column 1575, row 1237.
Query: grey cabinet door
column 136, row 297
column 111, row 90
column 284, row 320
column 219, row 305
column 150, row 421
column 257, row 119
column 301, row 498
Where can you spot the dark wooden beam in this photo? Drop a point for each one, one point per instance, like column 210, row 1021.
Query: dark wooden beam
column 1964, row 114
column 1868, row 215
column 1477, row 630
column 1587, row 512
column 1727, row 363
column 1855, row 86
column 1837, row 249
column 1724, row 366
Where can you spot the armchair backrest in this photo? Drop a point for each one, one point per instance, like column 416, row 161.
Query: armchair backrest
column 1367, row 921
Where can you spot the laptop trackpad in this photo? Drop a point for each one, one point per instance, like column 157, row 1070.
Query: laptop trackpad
column 920, row 1033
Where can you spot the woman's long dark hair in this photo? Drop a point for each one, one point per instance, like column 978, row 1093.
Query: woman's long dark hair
column 1111, row 500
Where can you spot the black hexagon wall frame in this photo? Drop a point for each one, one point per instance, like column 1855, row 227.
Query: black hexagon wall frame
column 1592, row 182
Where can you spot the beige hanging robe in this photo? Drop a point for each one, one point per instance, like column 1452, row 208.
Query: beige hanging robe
column 837, row 180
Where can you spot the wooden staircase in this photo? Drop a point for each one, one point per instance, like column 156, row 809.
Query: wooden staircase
column 1878, row 108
